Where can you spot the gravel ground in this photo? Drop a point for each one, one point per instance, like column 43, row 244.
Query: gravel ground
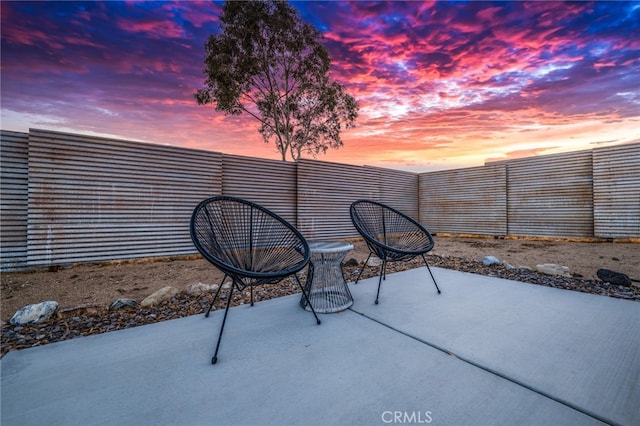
column 89, row 320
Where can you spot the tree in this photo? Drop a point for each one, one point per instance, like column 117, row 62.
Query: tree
column 270, row 64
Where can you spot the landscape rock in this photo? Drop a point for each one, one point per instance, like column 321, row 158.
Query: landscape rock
column 34, row 314
column 553, row 269
column 197, row 289
column 613, row 277
column 490, row 260
column 165, row 293
column 508, row 266
column 351, row 263
column 122, row 303
column 374, row 261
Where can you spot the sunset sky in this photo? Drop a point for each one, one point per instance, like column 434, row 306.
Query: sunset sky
column 440, row 85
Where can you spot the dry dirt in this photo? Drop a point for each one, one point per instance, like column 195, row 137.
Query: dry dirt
column 100, row 284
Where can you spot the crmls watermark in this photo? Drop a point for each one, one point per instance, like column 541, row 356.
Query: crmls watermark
column 410, row 417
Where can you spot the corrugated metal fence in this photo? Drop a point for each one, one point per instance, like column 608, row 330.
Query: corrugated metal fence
column 550, row 195
column 14, row 200
column 98, row 199
column 465, row 201
column 325, row 192
column 616, row 191
column 583, row 194
column 73, row 198
column 271, row 183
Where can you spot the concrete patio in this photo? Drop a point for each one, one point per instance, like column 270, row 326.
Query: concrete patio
column 485, row 351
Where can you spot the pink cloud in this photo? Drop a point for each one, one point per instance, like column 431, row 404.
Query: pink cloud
column 153, row 29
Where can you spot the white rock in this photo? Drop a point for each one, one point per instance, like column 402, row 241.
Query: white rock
column 197, row 289
column 490, row 260
column 165, row 293
column 553, row 269
column 374, row 261
column 34, row 314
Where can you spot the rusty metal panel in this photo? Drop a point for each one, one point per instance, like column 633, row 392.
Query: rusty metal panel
column 551, row 195
column 96, row 199
column 325, row 193
column 616, row 191
column 270, row 183
column 14, row 179
column 399, row 189
column 464, row 201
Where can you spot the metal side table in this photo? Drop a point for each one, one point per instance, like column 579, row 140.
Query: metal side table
column 325, row 284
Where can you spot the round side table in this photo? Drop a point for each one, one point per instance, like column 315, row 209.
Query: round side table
column 325, row 283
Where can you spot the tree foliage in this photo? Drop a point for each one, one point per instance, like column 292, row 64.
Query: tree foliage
column 267, row 62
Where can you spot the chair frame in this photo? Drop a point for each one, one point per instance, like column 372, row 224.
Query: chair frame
column 384, row 249
column 242, row 277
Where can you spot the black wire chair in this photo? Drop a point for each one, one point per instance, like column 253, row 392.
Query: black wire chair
column 250, row 244
column 390, row 235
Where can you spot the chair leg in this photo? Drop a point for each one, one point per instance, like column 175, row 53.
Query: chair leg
column 431, row 273
column 251, row 295
column 366, row 262
column 215, row 296
column 384, row 266
column 306, row 297
column 384, row 269
column 224, row 320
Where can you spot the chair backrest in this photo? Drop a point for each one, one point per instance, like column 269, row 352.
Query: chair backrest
column 386, row 226
column 245, row 239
